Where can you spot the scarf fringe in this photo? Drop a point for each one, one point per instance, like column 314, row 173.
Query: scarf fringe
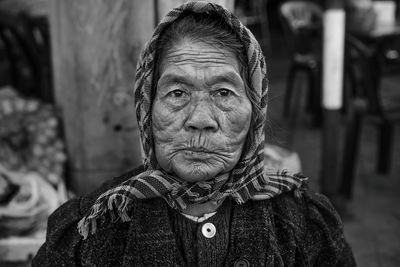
column 116, row 207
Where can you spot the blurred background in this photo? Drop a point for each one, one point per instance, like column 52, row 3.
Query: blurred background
column 67, row 119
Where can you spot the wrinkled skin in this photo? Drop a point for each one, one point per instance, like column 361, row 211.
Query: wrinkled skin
column 201, row 113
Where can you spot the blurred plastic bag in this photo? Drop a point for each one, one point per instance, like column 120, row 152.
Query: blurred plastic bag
column 29, row 207
column 278, row 159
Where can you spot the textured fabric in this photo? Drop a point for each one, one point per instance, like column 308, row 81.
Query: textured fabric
column 246, row 180
column 281, row 231
column 197, row 250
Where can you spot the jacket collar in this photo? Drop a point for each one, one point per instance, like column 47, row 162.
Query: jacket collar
column 150, row 237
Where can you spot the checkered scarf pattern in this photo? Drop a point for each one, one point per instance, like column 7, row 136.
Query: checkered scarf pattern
column 247, row 180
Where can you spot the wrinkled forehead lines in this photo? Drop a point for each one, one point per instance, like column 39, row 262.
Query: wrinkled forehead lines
column 206, row 52
column 200, row 55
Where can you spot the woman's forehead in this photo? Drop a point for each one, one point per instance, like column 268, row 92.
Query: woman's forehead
column 188, row 55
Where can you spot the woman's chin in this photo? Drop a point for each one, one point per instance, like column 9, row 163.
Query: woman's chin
column 196, row 171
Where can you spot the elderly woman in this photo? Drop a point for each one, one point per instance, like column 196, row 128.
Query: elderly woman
column 202, row 197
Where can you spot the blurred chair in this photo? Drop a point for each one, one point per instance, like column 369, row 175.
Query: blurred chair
column 25, row 40
column 302, row 26
column 365, row 99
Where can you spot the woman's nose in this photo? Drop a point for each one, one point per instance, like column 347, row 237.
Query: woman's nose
column 201, row 118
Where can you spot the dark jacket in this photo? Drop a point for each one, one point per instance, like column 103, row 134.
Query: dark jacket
column 283, row 231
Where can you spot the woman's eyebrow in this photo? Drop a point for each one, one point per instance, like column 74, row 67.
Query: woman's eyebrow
column 171, row 78
column 229, row 77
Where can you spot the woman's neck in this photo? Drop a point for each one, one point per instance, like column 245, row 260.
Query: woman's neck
column 199, row 210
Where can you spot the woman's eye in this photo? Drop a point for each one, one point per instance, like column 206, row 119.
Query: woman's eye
column 223, row 92
column 176, row 93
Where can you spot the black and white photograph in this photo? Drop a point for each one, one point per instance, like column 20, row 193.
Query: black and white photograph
column 200, row 133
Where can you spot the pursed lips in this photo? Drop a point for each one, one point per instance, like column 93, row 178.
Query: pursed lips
column 198, row 153
column 198, row 149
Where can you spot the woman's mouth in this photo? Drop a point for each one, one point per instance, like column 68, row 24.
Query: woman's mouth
column 198, row 149
column 197, row 153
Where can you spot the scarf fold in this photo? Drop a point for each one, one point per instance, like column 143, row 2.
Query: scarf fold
column 248, row 180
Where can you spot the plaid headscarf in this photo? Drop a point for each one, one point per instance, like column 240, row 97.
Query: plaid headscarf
column 247, row 180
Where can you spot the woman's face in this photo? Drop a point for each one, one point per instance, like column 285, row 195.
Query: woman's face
column 201, row 114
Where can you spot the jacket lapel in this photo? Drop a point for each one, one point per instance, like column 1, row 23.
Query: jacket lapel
column 150, row 240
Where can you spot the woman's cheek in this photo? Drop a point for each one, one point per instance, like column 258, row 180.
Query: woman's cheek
column 239, row 119
column 165, row 120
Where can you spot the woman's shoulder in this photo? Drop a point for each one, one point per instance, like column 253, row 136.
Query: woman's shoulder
column 306, row 210
column 88, row 200
column 80, row 205
column 62, row 237
column 304, row 203
column 312, row 221
column 76, row 208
